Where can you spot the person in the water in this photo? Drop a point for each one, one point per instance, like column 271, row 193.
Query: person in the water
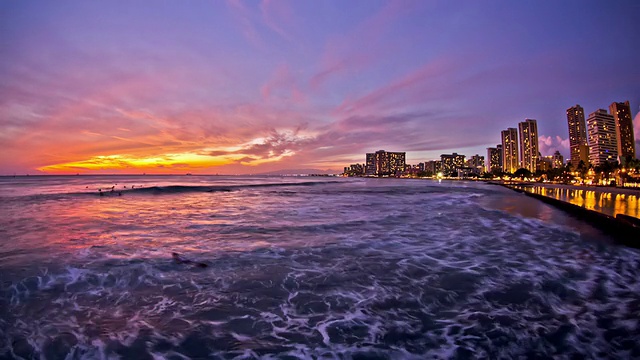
column 180, row 260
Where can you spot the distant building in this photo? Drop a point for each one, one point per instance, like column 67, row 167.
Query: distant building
column 545, row 163
column 433, row 166
column 624, row 130
column 577, row 136
column 494, row 158
column 370, row 164
column 384, row 163
column 450, row 163
column 465, row 172
column 603, row 144
column 355, row 170
column 397, row 162
column 528, row 131
column 476, row 162
column 557, row 160
column 510, row 150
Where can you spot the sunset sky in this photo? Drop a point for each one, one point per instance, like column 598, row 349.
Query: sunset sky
column 241, row 87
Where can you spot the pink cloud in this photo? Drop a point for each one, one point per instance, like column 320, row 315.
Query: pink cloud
column 244, row 16
column 283, row 85
column 275, row 14
column 418, row 85
column 549, row 145
column 346, row 53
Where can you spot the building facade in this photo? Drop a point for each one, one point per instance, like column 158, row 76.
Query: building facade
column 370, row 164
column 432, row 166
column 476, row 162
column 545, row 163
column 510, row 150
column 558, row 160
column 603, row 144
column 385, row 163
column 528, row 131
column 354, row 170
column 450, row 163
column 494, row 159
column 577, row 136
column 624, row 130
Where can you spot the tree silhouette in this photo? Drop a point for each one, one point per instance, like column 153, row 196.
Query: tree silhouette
column 522, row 173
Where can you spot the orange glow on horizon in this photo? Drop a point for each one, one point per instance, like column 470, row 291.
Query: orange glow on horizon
column 118, row 163
column 164, row 163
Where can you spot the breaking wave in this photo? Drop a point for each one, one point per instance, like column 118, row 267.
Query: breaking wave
column 364, row 270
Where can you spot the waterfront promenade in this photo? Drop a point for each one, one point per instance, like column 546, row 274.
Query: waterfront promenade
column 614, row 210
column 607, row 200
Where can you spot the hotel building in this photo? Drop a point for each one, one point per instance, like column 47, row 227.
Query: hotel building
column 603, row 144
column 450, row 163
column 529, row 150
column 370, row 164
column 476, row 162
column 558, row 160
column 577, row 136
column 510, row 150
column 433, row 166
column 384, row 163
column 494, row 158
column 624, row 130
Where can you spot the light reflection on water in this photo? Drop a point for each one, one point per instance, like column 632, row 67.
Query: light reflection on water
column 607, row 201
column 387, row 269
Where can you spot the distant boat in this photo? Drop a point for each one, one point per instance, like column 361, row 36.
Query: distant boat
column 188, row 174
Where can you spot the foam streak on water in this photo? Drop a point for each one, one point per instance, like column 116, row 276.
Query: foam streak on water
column 309, row 269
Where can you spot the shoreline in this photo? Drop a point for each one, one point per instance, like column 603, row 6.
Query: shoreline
column 624, row 229
column 601, row 189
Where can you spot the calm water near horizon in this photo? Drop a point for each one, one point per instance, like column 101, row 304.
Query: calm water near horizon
column 308, row 267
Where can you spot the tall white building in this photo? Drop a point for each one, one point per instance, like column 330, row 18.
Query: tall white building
column 510, row 150
column 603, row 143
column 529, row 149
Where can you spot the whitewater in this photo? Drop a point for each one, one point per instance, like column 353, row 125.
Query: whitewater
column 304, row 268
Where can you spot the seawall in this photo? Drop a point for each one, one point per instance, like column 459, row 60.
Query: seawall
column 625, row 229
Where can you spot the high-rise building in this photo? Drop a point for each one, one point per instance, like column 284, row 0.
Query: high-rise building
column 354, row 170
column 603, row 144
column 397, row 162
column 624, row 129
column 432, row 166
column 528, row 130
column 370, row 164
column 509, row 150
column 545, row 163
column 577, row 136
column 476, row 162
column 558, row 160
column 494, row 158
column 450, row 163
column 500, row 161
column 384, row 163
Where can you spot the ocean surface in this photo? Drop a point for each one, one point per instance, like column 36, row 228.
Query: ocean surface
column 304, row 268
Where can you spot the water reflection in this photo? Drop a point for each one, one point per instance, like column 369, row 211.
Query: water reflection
column 610, row 202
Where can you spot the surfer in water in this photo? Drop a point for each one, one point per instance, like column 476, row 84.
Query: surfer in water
column 180, row 260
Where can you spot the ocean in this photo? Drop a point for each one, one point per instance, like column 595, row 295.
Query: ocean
column 304, row 268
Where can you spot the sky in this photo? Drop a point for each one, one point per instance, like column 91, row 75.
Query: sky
column 247, row 87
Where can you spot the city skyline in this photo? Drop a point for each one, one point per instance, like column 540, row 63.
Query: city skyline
column 252, row 87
